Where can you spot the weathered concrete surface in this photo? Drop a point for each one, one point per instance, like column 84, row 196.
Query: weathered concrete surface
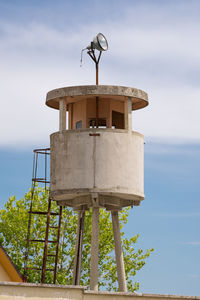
column 62, row 114
column 22, row 291
column 119, row 253
column 29, row 291
column 94, row 250
column 78, row 250
column 105, row 162
column 76, row 93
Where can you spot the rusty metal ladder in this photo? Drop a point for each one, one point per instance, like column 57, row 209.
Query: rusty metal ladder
column 48, row 213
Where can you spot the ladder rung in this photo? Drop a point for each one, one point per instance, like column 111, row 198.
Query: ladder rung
column 51, row 254
column 43, row 213
column 40, row 180
column 34, row 268
column 38, row 212
column 55, row 227
column 50, row 270
column 42, row 241
column 39, row 152
column 42, row 149
column 54, row 214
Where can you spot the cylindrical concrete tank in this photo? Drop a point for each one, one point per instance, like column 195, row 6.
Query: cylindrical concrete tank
column 99, row 157
column 106, row 162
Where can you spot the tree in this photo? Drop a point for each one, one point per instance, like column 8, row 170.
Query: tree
column 13, row 234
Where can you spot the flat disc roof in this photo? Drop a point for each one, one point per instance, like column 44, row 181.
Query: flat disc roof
column 76, row 93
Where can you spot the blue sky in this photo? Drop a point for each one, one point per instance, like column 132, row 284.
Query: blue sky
column 154, row 46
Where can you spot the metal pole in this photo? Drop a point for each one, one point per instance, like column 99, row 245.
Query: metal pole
column 118, row 253
column 96, row 60
column 94, row 250
column 97, row 98
column 45, row 175
column 97, row 73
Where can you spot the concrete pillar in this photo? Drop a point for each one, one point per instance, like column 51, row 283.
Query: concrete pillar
column 62, row 114
column 129, row 113
column 118, row 253
column 94, row 250
column 69, row 116
column 78, row 250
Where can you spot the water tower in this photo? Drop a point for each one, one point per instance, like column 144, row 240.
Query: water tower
column 97, row 160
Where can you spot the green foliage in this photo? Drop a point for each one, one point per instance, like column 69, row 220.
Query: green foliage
column 13, row 234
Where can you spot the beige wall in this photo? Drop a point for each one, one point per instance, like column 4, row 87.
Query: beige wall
column 79, row 113
column 22, row 291
column 85, row 109
column 4, row 275
column 8, row 272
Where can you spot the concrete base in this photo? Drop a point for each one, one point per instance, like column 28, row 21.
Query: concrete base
column 30, row 291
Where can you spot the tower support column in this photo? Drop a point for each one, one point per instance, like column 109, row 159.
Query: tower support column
column 94, row 250
column 79, row 247
column 118, row 253
column 62, row 114
column 128, row 114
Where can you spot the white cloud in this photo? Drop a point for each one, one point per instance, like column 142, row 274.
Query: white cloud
column 158, row 54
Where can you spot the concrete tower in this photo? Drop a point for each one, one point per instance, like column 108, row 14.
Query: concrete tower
column 98, row 161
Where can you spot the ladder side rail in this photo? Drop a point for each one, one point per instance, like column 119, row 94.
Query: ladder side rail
column 45, row 171
column 35, row 159
column 46, row 243
column 57, row 246
column 44, row 180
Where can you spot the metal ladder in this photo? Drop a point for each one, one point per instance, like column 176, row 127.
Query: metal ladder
column 45, row 152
